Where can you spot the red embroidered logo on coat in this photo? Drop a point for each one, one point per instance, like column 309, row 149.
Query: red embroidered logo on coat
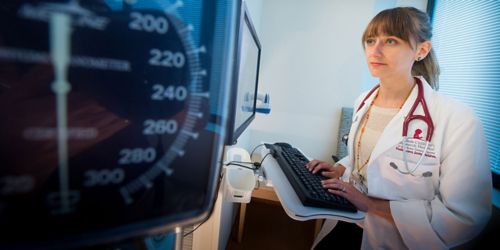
column 417, row 134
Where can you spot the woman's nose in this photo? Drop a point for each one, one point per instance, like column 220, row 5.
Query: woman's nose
column 375, row 49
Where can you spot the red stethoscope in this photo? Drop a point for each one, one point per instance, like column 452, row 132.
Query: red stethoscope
column 426, row 118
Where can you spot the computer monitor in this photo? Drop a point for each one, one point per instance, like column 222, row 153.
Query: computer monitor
column 245, row 77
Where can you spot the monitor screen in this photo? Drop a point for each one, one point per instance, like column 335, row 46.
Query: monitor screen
column 110, row 118
column 245, row 77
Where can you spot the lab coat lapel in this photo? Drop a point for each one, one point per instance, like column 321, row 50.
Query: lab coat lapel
column 392, row 133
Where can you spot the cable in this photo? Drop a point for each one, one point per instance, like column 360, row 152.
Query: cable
column 247, row 162
column 256, row 147
column 194, row 229
column 261, row 161
column 256, row 165
column 241, row 165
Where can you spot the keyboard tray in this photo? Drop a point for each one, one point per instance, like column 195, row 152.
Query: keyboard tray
column 306, row 185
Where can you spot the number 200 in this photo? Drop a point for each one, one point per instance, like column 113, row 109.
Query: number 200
column 148, row 23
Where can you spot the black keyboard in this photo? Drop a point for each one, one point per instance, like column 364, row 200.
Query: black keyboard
column 306, row 184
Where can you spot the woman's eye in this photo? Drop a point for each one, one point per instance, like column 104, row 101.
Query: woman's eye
column 391, row 41
column 370, row 41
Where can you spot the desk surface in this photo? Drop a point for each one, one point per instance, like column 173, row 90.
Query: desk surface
column 291, row 202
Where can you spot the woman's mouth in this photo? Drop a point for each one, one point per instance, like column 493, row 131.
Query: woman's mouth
column 377, row 64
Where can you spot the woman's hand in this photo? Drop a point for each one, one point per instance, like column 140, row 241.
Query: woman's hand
column 361, row 201
column 328, row 169
column 348, row 191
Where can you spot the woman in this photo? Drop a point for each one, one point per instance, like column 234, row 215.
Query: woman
column 432, row 189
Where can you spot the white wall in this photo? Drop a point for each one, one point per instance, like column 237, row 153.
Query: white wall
column 312, row 65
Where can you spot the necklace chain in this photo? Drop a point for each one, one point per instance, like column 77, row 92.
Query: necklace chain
column 358, row 146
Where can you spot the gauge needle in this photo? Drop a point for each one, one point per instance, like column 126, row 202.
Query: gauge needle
column 60, row 53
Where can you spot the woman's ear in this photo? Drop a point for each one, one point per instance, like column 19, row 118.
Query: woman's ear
column 422, row 50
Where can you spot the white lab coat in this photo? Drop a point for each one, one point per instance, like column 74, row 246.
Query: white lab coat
column 437, row 212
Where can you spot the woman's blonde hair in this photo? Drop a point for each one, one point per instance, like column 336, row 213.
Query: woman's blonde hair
column 412, row 26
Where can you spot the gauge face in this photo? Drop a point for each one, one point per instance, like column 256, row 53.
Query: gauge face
column 103, row 120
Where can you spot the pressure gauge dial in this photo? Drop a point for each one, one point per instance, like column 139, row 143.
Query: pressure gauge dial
column 100, row 105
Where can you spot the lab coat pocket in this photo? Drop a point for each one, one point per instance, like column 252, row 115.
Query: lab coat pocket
column 399, row 181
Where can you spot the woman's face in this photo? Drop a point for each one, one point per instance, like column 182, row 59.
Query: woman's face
column 389, row 56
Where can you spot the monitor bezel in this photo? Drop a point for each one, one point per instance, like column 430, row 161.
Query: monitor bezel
column 233, row 132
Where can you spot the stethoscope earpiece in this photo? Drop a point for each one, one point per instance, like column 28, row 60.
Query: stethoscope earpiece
column 427, row 174
column 393, row 165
